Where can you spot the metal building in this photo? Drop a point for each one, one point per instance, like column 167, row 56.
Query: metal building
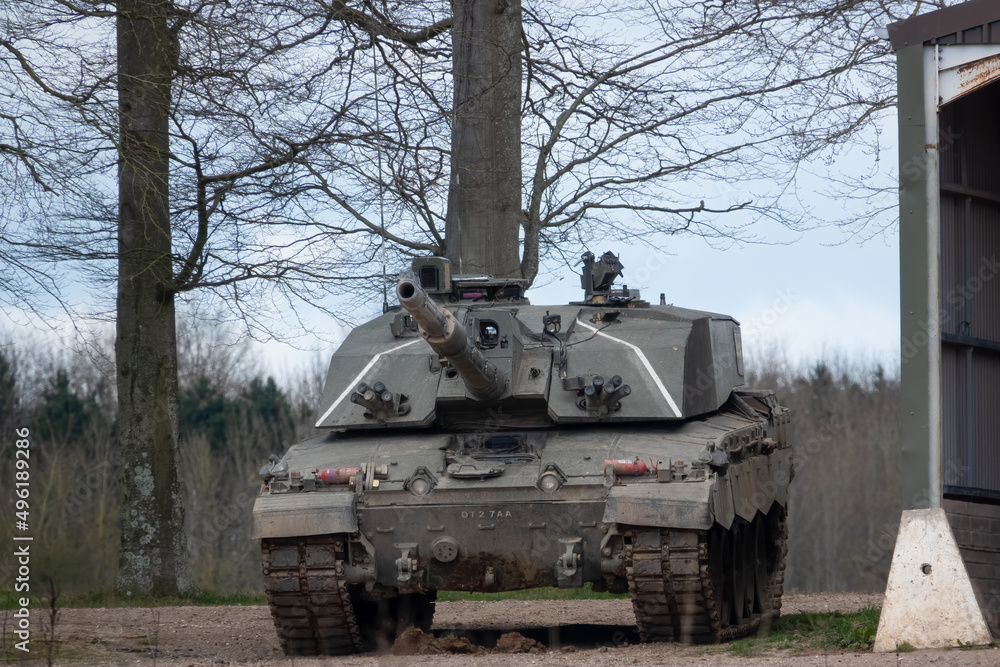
column 949, row 168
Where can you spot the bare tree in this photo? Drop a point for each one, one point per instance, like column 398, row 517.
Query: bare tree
column 199, row 115
column 638, row 120
column 484, row 195
column 267, row 154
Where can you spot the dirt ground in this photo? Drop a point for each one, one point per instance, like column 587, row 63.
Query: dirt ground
column 591, row 632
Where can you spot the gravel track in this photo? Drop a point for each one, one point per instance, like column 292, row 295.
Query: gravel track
column 591, row 632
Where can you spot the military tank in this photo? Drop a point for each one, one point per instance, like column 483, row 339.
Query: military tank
column 475, row 442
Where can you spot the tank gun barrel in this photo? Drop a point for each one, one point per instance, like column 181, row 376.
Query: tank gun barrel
column 445, row 336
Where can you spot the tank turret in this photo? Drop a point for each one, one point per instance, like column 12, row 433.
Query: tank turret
column 446, row 337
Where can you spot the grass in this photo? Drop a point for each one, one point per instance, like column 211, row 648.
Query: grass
column 832, row 631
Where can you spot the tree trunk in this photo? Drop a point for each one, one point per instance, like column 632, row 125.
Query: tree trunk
column 153, row 556
column 484, row 197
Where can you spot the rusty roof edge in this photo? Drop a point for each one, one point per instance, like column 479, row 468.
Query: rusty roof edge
column 918, row 29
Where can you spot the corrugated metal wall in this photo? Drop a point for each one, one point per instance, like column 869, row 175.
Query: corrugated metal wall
column 970, row 293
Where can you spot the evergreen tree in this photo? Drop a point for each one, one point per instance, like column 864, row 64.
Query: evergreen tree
column 265, row 401
column 63, row 415
column 204, row 409
column 8, row 395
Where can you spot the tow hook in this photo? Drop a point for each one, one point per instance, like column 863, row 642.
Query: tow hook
column 406, row 565
column 568, row 565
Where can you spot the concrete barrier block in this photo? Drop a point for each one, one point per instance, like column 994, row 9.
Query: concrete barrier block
column 929, row 602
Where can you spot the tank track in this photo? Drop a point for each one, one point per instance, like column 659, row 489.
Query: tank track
column 680, row 590
column 677, row 581
column 308, row 596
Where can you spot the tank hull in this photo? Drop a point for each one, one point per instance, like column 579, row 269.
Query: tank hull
column 480, row 443
column 699, row 547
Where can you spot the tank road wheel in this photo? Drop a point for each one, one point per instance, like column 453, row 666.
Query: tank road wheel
column 308, row 597
column 760, row 566
column 758, row 551
column 739, row 574
column 776, row 547
column 750, row 569
column 706, row 586
column 719, row 570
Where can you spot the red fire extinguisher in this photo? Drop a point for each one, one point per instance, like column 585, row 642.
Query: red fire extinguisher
column 337, row 476
column 627, row 467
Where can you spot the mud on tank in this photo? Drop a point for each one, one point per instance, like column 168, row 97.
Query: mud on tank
column 478, row 443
